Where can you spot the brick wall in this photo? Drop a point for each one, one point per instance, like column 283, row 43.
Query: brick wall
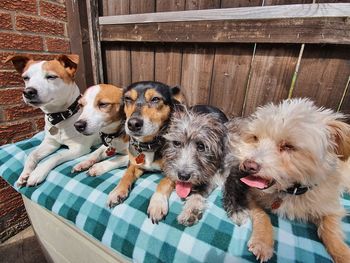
column 37, row 28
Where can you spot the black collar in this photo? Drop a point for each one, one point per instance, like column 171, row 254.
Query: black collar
column 107, row 138
column 297, row 189
column 57, row 117
column 152, row 146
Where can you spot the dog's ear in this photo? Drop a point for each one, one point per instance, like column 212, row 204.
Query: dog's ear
column 69, row 62
column 340, row 132
column 177, row 96
column 19, row 62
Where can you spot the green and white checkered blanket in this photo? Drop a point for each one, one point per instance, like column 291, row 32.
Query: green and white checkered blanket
column 126, row 228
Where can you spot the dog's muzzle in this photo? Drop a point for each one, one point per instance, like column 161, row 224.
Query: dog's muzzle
column 135, row 124
column 80, row 126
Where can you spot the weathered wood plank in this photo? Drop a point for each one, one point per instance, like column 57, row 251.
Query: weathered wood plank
column 168, row 59
column 197, row 64
column 271, row 75
column 300, row 11
column 334, row 30
column 230, row 75
column 142, row 56
column 117, row 61
column 94, row 37
column 323, row 74
column 79, row 41
column 240, row 3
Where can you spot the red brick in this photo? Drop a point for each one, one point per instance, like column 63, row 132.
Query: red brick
column 7, row 194
column 13, row 223
column 39, row 25
column 57, row 45
column 5, row 21
column 19, row 112
column 10, row 131
column 40, row 124
column 20, row 42
column 10, row 96
column 10, row 78
column 10, row 205
column 22, row 137
column 3, row 183
column 52, row 10
column 19, row 6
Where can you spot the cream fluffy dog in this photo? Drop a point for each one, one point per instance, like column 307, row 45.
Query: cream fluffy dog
column 292, row 157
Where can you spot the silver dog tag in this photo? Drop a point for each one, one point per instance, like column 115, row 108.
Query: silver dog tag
column 53, row 130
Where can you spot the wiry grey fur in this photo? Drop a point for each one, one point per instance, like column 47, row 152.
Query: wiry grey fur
column 191, row 127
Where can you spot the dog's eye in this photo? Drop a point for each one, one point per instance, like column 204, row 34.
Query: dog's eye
column 25, row 78
column 251, row 138
column 51, row 77
column 127, row 99
column 286, row 147
column 103, row 104
column 200, row 147
column 155, row 99
column 177, row 144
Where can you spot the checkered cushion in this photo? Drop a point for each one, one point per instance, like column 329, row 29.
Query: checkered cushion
column 126, row 228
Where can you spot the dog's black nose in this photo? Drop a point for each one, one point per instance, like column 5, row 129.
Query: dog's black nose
column 183, row 176
column 250, row 166
column 135, row 124
column 80, row 125
column 30, row 93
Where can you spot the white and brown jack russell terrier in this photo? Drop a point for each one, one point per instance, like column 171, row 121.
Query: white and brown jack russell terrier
column 50, row 86
column 103, row 113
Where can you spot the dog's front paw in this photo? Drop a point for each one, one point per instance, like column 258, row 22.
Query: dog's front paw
column 96, row 169
column 22, row 179
column 189, row 217
column 261, row 249
column 240, row 217
column 158, row 207
column 117, row 196
column 84, row 165
column 37, row 176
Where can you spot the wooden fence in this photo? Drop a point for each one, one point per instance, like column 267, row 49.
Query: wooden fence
column 234, row 54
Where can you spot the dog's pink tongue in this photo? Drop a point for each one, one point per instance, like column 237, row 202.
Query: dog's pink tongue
column 255, row 181
column 183, row 189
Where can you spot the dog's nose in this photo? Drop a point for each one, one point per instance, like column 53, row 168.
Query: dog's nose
column 183, row 176
column 80, row 125
column 135, row 124
column 30, row 93
column 251, row 166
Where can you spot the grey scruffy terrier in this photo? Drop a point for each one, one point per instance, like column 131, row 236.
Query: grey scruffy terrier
column 193, row 153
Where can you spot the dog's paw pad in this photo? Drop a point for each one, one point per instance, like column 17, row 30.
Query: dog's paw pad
column 240, row 217
column 22, row 179
column 190, row 218
column 95, row 170
column 83, row 166
column 260, row 249
column 158, row 207
column 116, row 197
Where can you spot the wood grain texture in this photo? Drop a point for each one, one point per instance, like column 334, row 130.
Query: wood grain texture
column 117, row 61
column 142, row 56
column 323, row 74
column 168, row 58
column 197, row 64
column 271, row 75
column 230, row 75
column 334, row 30
column 300, row 11
column 240, row 3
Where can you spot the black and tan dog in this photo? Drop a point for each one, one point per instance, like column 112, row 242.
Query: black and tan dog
column 148, row 106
